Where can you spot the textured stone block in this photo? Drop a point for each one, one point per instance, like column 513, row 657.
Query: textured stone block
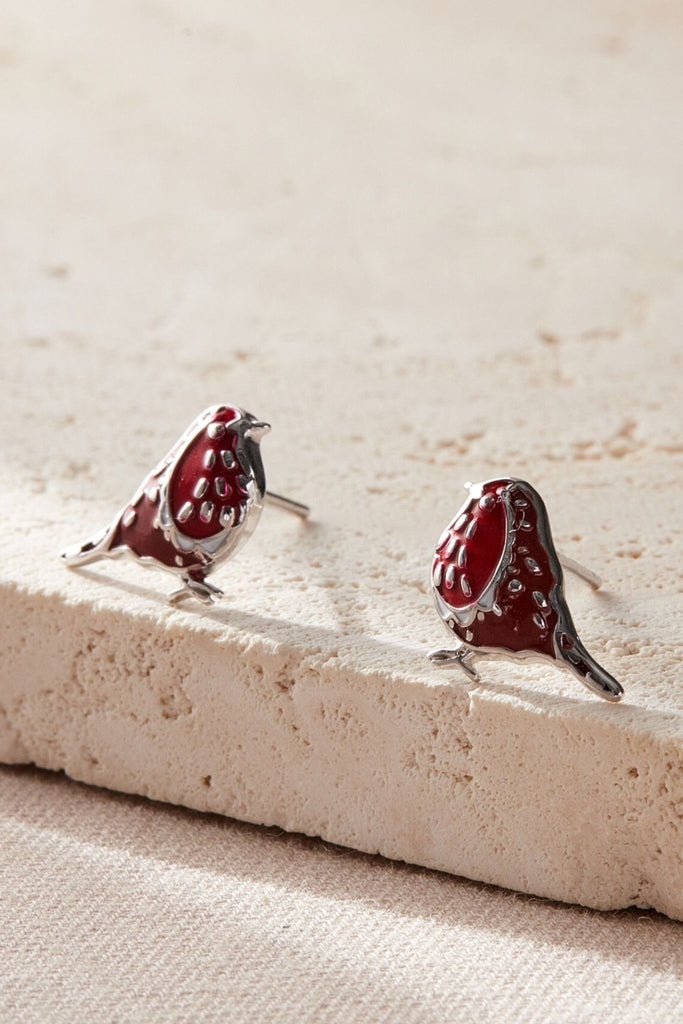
column 463, row 275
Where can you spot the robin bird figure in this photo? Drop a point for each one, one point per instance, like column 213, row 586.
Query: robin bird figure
column 498, row 585
column 202, row 500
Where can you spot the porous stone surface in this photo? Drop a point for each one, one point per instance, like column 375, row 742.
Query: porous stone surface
column 428, row 247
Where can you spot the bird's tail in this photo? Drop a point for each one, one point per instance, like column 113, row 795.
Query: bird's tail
column 97, row 546
column 571, row 651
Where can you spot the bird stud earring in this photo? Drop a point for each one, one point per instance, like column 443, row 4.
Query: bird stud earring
column 498, row 585
column 193, row 510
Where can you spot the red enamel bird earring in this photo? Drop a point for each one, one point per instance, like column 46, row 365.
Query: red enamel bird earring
column 194, row 509
column 498, row 586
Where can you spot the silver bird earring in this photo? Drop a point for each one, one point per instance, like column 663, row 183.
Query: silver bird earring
column 497, row 584
column 197, row 506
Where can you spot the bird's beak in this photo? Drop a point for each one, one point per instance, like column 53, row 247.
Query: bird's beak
column 257, row 429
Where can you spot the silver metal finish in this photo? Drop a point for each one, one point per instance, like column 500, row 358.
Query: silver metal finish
column 226, row 517
column 460, row 656
column 450, row 547
column 201, row 589
column 580, row 570
column 575, row 656
column 287, row 505
column 206, row 511
column 233, row 526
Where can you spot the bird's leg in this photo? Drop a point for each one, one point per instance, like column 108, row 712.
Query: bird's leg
column 194, row 587
column 460, row 656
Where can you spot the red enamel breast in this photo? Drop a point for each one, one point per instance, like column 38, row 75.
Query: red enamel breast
column 521, row 614
column 137, row 530
column 470, row 549
column 205, row 492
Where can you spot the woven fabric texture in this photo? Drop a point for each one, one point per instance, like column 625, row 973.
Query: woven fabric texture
column 115, row 909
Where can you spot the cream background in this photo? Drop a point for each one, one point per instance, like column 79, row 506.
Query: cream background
column 430, row 243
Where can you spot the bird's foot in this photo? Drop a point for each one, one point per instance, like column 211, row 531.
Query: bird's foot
column 199, row 589
column 459, row 656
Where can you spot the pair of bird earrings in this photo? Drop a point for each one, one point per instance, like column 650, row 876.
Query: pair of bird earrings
column 496, row 577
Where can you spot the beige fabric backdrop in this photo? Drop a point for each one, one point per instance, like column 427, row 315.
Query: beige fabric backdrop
column 115, row 909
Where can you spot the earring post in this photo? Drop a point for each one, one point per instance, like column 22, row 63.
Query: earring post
column 591, row 578
column 287, row 505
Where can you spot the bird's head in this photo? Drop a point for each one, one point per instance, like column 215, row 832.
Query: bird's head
column 255, row 429
column 249, row 429
column 241, row 422
column 510, row 490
